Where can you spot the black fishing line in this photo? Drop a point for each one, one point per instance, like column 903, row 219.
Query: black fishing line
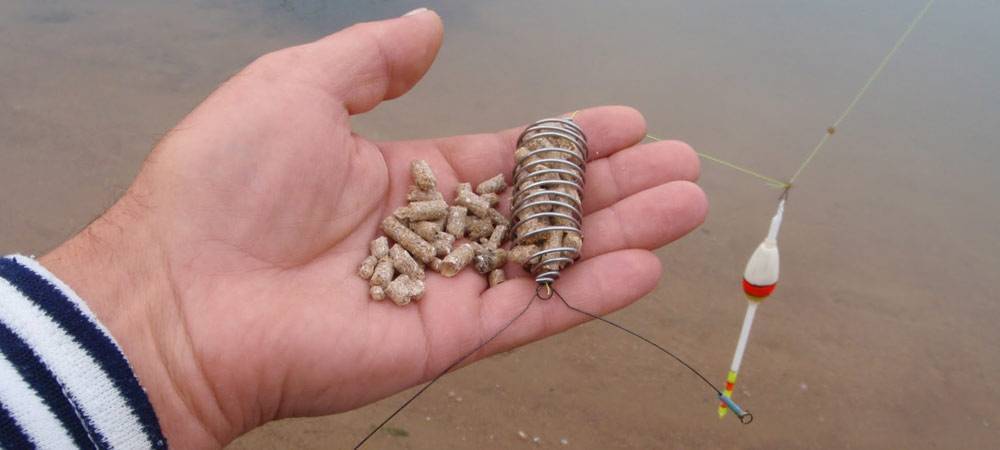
column 633, row 333
column 445, row 371
column 504, row 328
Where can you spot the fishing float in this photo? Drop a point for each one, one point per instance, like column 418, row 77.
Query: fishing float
column 759, row 280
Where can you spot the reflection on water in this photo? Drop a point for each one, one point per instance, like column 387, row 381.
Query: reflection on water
column 883, row 330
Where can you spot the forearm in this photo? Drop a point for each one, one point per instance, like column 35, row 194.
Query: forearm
column 117, row 266
column 91, row 350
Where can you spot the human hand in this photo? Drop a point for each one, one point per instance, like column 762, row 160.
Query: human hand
column 228, row 270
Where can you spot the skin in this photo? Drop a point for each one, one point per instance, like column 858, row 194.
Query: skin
column 227, row 271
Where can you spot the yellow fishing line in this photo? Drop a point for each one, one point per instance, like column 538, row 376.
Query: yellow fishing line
column 773, row 182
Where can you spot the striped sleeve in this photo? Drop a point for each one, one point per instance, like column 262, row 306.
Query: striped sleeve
column 64, row 382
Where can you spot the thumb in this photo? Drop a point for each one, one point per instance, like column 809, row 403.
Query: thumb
column 366, row 63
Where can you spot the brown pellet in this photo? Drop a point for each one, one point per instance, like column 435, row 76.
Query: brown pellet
column 541, row 177
column 496, row 277
column 377, row 293
column 540, row 207
column 367, row 268
column 418, row 211
column 425, row 229
column 404, row 289
column 522, row 253
column 526, row 225
column 491, row 198
column 435, row 265
column 521, row 156
column 457, row 260
column 463, row 187
column 476, row 204
column 404, row 263
column 524, row 229
column 443, row 243
column 423, row 176
column 489, row 258
column 563, row 221
column 543, row 142
column 383, row 273
column 564, row 210
column 573, row 240
column 494, row 185
column 478, row 228
column 497, row 238
column 417, row 246
column 456, row 221
column 379, row 248
column 553, row 241
column 498, row 218
column 573, row 175
column 418, row 195
column 439, row 223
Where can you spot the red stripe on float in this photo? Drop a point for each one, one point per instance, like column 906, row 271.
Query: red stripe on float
column 757, row 291
column 729, row 386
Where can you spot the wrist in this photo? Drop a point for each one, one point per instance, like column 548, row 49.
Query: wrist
column 118, row 267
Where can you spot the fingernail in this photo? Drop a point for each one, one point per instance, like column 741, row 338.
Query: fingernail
column 415, row 11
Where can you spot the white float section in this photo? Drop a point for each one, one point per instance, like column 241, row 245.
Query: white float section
column 763, row 267
column 741, row 345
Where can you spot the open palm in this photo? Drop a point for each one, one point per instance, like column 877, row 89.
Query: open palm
column 261, row 204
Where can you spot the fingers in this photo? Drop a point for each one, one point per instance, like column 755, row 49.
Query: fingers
column 646, row 220
column 364, row 64
column 478, row 157
column 599, row 286
column 636, row 169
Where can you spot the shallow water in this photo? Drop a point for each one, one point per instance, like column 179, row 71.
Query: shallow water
column 879, row 335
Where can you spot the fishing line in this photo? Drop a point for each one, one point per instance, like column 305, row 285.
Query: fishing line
column 773, row 182
column 445, row 371
column 643, row 338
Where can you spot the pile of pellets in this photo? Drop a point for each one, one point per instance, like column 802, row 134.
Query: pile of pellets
column 430, row 233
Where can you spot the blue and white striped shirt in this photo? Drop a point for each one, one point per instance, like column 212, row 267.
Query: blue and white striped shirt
column 64, row 382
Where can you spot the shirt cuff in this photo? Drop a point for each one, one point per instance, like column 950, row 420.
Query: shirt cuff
column 66, row 382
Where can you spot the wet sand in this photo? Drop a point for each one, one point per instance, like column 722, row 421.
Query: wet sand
column 879, row 335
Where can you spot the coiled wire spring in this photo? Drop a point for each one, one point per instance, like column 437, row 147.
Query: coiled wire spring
column 547, row 201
